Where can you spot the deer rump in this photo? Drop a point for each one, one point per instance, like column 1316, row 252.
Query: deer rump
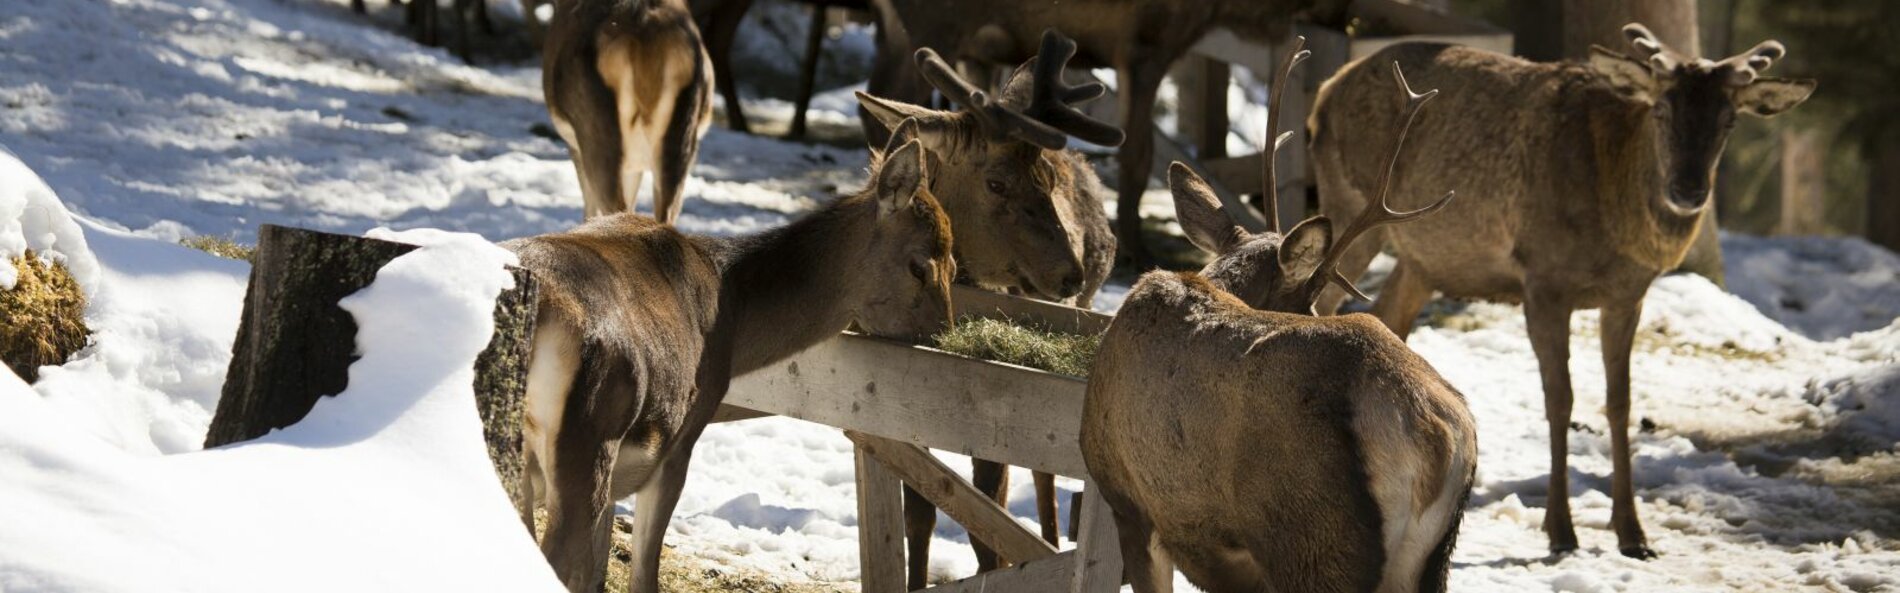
column 1255, row 466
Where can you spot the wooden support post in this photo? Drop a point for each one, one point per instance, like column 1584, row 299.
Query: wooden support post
column 1098, row 555
column 980, row 516
column 880, row 526
column 1203, row 103
column 294, row 345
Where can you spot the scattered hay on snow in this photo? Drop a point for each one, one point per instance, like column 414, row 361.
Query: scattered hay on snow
column 42, row 318
column 219, row 246
column 1004, row 341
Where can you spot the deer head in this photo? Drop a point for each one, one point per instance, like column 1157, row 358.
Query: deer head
column 905, row 286
column 1284, row 272
column 999, row 169
column 1693, row 103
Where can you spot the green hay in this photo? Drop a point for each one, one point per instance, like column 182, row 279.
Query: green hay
column 42, row 319
column 1003, row 341
column 219, row 246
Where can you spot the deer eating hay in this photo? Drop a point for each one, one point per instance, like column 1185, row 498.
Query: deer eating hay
column 641, row 328
column 1260, row 448
column 1027, row 214
column 629, row 88
column 1584, row 183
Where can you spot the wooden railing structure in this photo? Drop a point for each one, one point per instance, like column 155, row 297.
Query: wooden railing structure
column 894, row 400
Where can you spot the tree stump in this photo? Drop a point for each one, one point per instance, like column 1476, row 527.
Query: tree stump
column 295, row 345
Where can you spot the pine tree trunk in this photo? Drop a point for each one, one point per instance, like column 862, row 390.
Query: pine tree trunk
column 295, row 345
column 1803, row 183
column 1883, row 194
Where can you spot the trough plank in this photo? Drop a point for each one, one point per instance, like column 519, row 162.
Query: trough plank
column 880, row 526
column 1098, row 560
column 980, row 516
column 1039, row 576
column 1004, row 413
column 970, row 301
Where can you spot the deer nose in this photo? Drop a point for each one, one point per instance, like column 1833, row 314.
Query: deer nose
column 1071, row 284
column 1688, row 196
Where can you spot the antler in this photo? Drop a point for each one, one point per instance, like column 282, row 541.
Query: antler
column 1749, row 64
column 1293, row 58
column 1044, row 114
column 1661, row 58
column 1378, row 212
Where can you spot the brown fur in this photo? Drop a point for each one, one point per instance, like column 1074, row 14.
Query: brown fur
column 1270, row 450
column 629, row 87
column 652, row 325
column 1576, row 190
column 1138, row 38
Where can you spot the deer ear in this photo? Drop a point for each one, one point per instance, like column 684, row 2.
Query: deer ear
column 1768, row 96
column 1304, row 247
column 1628, row 76
column 891, row 113
column 899, row 178
column 1206, row 224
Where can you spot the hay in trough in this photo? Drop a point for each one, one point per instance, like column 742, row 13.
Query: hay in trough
column 1004, row 341
column 42, row 318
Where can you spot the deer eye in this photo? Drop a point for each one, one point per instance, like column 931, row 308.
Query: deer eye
column 996, row 187
column 920, row 269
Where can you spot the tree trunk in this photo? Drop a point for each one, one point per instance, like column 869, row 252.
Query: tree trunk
column 1803, row 183
column 1883, row 194
column 1537, row 29
column 295, row 345
column 1600, row 22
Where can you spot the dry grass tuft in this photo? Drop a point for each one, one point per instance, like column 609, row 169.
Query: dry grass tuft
column 42, row 319
column 1003, row 341
column 686, row 574
column 219, row 246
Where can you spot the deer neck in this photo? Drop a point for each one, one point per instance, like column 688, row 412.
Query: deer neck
column 1637, row 217
column 793, row 286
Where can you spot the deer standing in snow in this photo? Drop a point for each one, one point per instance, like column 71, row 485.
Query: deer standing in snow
column 1587, row 181
column 1260, row 448
column 1027, row 214
column 629, row 88
column 641, row 328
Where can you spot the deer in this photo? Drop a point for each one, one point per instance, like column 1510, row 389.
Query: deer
column 629, row 89
column 641, row 328
column 1027, row 213
column 1256, row 446
column 421, row 18
column 1140, row 39
column 1588, row 181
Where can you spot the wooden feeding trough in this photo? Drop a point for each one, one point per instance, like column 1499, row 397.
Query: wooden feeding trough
column 894, row 399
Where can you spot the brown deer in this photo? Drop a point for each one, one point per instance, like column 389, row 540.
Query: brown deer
column 641, row 328
column 629, row 88
column 1587, row 182
column 1027, row 213
column 1140, row 39
column 1260, row 448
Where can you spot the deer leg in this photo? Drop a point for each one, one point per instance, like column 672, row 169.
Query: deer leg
column 580, row 516
column 486, row 26
column 722, row 27
column 808, row 70
column 1548, row 322
column 1144, row 562
column 678, row 149
column 462, row 9
column 920, row 519
column 1399, row 302
column 653, row 510
column 1046, row 512
column 1138, row 83
column 991, row 479
column 1618, row 332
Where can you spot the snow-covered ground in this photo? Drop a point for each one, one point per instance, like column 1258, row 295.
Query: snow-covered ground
column 1768, row 461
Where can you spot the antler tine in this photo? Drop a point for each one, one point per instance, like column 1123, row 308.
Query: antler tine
column 1660, row 56
column 1749, row 64
column 1293, row 58
column 1049, row 110
column 1380, row 212
column 946, row 80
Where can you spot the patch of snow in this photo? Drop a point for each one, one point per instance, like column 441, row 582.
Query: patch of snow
column 31, row 217
column 1825, row 288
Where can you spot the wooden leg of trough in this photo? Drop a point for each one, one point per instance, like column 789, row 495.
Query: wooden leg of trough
column 1046, row 508
column 980, row 516
column 880, row 526
column 727, row 413
column 1075, row 516
column 1098, row 559
column 294, row 344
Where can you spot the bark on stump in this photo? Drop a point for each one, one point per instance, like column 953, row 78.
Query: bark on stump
column 295, row 345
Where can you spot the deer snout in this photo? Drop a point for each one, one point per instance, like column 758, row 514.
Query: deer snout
column 1071, row 284
column 1688, row 196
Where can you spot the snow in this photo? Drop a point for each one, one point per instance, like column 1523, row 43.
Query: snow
column 216, row 520
column 32, row 218
column 1770, row 465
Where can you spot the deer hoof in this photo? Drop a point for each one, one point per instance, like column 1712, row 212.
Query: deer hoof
column 1639, row 552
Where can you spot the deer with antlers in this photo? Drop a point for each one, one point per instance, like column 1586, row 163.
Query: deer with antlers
column 1257, row 447
column 1586, row 182
column 641, row 328
column 629, row 88
column 1027, row 213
